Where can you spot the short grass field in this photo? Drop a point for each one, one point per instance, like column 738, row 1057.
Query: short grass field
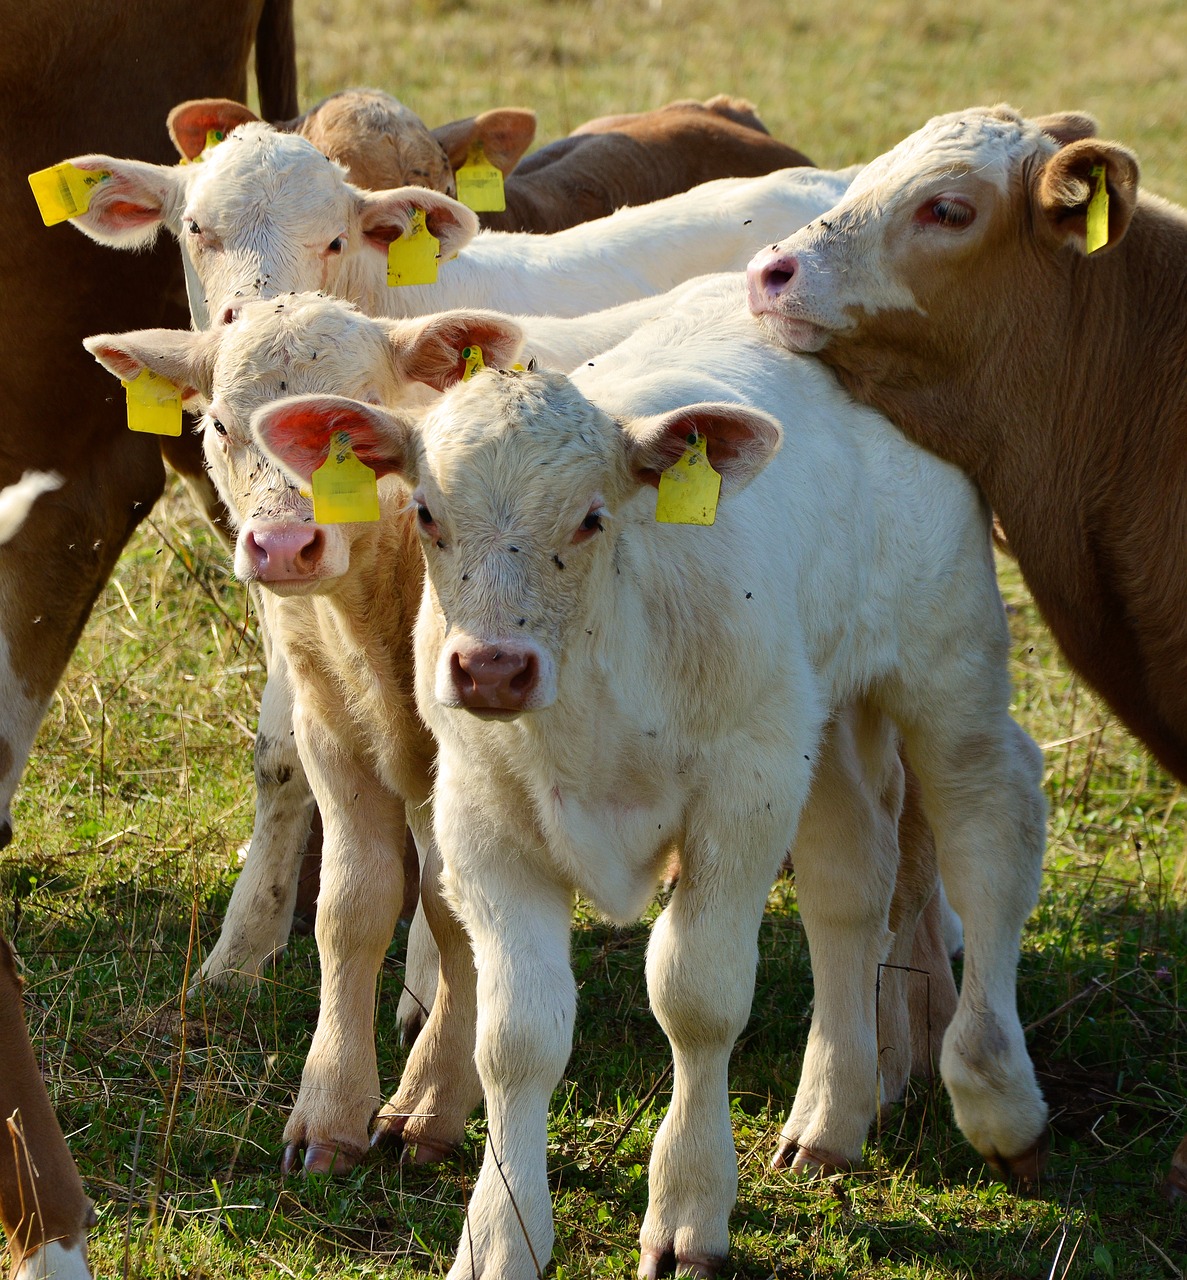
column 138, row 796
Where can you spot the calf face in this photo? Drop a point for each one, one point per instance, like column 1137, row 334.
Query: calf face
column 265, row 213
column 522, row 490
column 298, row 344
column 941, row 243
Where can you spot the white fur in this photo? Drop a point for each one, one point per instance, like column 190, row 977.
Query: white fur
column 54, row 1261
column 680, row 721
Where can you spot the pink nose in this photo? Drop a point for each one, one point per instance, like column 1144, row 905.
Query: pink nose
column 768, row 276
column 282, row 553
column 490, row 678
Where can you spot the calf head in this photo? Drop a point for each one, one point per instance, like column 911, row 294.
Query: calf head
column 941, row 244
column 265, row 213
column 523, row 492
column 308, row 344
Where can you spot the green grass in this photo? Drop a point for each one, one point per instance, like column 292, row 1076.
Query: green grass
column 138, row 795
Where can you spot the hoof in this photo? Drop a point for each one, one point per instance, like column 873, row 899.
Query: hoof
column 808, row 1163
column 1027, row 1166
column 653, row 1264
column 388, row 1134
column 411, row 1028
column 318, row 1158
column 428, row 1152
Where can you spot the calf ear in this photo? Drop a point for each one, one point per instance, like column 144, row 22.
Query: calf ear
column 133, row 203
column 430, row 351
column 297, row 433
column 184, row 358
column 1067, row 126
column 385, row 216
column 190, row 122
column 505, row 134
column 1065, row 185
column 740, row 442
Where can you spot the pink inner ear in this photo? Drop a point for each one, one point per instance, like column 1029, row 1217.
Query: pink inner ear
column 125, row 365
column 381, row 236
column 300, row 434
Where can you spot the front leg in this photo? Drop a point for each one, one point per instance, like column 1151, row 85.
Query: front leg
column 518, row 917
column 700, row 976
column 362, row 888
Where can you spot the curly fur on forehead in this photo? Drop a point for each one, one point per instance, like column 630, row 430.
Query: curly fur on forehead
column 990, row 141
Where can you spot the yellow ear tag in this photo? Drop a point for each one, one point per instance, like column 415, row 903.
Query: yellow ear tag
column 689, row 489
column 474, row 363
column 412, row 259
column 480, row 183
column 1097, row 234
column 343, row 487
column 64, row 191
column 154, row 404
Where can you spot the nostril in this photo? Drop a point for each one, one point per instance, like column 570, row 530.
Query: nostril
column 309, row 554
column 463, row 681
column 525, row 677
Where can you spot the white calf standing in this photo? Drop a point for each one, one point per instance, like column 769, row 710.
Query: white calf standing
column 603, row 688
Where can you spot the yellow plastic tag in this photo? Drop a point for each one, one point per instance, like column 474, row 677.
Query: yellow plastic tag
column 474, row 363
column 213, row 138
column 343, row 487
column 480, row 183
column 689, row 489
column 154, row 404
column 412, row 259
column 1097, row 234
column 64, row 191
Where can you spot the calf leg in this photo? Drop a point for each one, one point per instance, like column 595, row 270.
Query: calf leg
column 845, row 857
column 361, row 890
column 260, row 913
column 43, row 1208
column 1175, row 1186
column 440, row 1085
column 518, row 918
column 700, row 977
column 421, row 967
column 980, row 777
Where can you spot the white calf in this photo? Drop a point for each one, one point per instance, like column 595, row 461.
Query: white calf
column 339, row 601
column 603, row 688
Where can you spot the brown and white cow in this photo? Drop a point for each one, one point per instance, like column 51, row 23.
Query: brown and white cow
column 70, row 82
column 956, row 289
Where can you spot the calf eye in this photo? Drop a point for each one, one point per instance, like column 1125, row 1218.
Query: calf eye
column 949, row 212
column 590, row 525
column 336, row 245
column 194, row 229
column 218, row 426
column 424, row 515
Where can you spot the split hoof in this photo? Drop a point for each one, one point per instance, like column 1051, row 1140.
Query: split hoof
column 807, row 1163
column 653, row 1264
column 318, row 1158
column 388, row 1135
column 1027, row 1166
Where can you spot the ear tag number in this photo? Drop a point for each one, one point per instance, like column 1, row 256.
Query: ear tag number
column 480, row 183
column 412, row 259
column 689, row 488
column 344, row 488
column 1097, row 233
column 64, row 191
column 154, row 404
column 474, row 363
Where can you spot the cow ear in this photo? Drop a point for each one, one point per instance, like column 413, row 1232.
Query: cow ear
column 505, row 134
column 430, row 350
column 191, row 122
column 385, row 216
column 297, row 433
column 1066, row 184
column 183, row 358
column 739, row 441
column 130, row 205
column 1067, row 126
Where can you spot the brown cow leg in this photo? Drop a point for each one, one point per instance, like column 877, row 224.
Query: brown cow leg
column 41, row 1195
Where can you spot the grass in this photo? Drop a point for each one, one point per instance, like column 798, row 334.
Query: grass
column 138, row 795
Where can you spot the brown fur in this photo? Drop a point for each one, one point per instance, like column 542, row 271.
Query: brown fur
column 71, row 87
column 49, row 1204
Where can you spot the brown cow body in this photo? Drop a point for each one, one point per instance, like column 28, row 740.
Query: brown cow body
column 952, row 290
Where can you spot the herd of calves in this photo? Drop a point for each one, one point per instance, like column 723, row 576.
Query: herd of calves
column 597, row 546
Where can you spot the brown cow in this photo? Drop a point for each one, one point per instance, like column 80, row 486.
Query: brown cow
column 1001, row 289
column 603, row 165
